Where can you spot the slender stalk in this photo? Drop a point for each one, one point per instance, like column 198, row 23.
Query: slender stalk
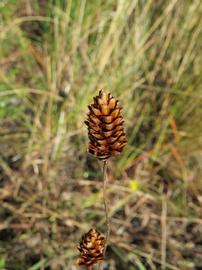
column 164, row 232
column 105, row 180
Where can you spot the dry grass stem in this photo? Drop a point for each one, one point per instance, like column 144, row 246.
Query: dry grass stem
column 105, row 200
column 164, row 231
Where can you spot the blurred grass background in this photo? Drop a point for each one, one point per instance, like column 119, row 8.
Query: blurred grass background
column 54, row 57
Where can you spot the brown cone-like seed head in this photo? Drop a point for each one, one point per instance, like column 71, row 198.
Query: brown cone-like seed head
column 105, row 127
column 91, row 248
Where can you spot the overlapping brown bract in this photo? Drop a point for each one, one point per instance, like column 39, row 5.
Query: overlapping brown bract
column 91, row 248
column 105, row 127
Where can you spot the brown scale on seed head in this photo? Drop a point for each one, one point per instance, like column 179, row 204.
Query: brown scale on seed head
column 105, row 127
column 91, row 248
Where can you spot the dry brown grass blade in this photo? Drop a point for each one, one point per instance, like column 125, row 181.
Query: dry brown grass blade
column 174, row 128
column 39, row 57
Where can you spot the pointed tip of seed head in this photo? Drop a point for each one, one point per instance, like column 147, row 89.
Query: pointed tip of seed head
column 101, row 91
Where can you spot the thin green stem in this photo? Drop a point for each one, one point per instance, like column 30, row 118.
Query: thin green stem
column 105, row 180
column 107, row 234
